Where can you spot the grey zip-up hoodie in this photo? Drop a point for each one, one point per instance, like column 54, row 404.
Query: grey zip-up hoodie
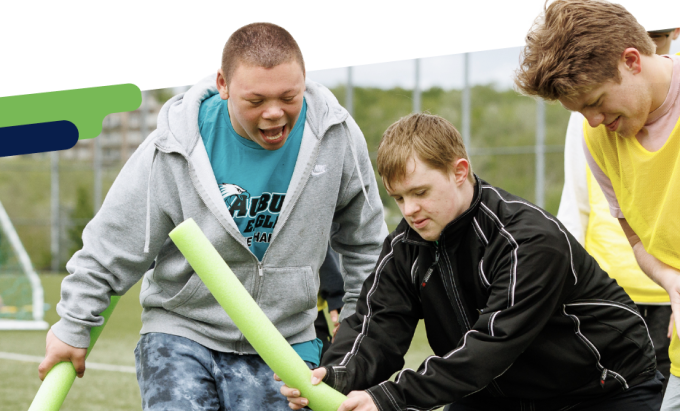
column 332, row 195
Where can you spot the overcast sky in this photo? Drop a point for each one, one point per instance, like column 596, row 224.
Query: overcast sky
column 493, row 66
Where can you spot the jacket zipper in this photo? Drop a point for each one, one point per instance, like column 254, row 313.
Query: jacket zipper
column 453, row 295
column 259, row 263
column 430, row 270
column 238, row 344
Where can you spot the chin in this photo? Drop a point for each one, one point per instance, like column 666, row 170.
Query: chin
column 428, row 236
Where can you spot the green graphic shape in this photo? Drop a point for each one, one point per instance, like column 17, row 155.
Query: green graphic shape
column 84, row 107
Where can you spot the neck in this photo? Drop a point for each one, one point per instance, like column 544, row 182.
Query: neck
column 658, row 76
column 468, row 195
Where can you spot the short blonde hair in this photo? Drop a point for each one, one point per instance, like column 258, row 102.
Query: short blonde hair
column 575, row 45
column 261, row 45
column 433, row 139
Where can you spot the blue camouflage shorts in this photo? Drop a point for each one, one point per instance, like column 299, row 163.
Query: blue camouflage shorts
column 175, row 373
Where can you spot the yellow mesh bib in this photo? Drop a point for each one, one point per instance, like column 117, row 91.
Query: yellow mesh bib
column 607, row 243
column 647, row 187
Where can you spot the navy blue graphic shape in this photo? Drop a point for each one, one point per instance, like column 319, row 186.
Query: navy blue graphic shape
column 37, row 138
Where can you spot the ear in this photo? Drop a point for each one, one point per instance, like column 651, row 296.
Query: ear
column 675, row 34
column 460, row 169
column 632, row 60
column 222, row 85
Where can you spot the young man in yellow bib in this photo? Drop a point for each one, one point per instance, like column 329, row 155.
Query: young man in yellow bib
column 595, row 58
column 584, row 211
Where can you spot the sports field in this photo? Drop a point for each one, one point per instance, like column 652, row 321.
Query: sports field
column 112, row 388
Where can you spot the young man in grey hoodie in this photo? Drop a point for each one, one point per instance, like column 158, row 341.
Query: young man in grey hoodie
column 271, row 168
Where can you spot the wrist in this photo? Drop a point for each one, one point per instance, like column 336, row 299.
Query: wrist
column 666, row 278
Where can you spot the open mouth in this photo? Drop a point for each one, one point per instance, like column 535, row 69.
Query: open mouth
column 614, row 124
column 273, row 135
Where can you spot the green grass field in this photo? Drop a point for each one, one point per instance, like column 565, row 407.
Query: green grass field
column 100, row 390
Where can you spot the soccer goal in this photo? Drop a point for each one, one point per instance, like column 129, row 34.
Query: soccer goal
column 21, row 294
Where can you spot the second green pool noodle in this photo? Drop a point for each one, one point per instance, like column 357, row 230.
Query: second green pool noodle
column 58, row 381
column 249, row 318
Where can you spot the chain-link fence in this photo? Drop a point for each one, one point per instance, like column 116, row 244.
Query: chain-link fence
column 514, row 142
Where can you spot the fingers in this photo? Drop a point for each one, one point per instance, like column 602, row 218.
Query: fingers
column 296, row 402
column 45, row 366
column 349, row 404
column 334, row 316
column 289, row 392
column 57, row 351
column 317, row 375
column 51, row 357
column 79, row 364
column 335, row 332
column 293, row 396
column 51, row 360
column 359, row 401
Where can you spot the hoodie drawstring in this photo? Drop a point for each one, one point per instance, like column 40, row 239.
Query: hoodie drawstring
column 356, row 163
column 147, row 237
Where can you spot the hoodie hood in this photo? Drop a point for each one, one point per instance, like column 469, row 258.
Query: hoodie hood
column 178, row 119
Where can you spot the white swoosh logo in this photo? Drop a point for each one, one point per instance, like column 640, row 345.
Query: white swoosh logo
column 318, row 170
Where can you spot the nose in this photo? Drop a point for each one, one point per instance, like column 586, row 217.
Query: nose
column 272, row 112
column 594, row 118
column 409, row 207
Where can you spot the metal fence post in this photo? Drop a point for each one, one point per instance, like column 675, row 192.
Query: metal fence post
column 416, row 88
column 97, row 165
column 54, row 199
column 466, row 100
column 540, row 153
column 349, row 96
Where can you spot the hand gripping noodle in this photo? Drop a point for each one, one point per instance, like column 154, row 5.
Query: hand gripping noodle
column 249, row 318
column 58, row 381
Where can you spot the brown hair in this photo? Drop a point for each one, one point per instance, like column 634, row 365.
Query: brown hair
column 261, row 45
column 433, row 139
column 575, row 45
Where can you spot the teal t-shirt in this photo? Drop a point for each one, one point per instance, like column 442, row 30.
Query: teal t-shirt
column 253, row 182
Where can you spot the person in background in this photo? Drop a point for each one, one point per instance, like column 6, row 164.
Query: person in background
column 595, row 58
column 585, row 212
column 331, row 291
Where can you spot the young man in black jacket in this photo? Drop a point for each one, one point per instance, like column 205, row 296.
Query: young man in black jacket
column 518, row 315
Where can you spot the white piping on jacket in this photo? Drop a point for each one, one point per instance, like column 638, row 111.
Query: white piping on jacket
column 367, row 318
column 513, row 255
column 571, row 255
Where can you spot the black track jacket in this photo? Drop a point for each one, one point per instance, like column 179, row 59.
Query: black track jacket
column 512, row 304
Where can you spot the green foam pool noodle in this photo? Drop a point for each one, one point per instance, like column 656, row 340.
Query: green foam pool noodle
column 249, row 317
column 58, row 381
